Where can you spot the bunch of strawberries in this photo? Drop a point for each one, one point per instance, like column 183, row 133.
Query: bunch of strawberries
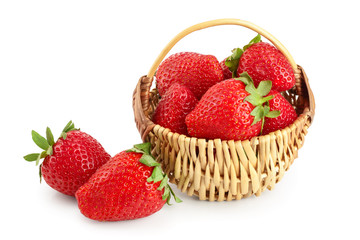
column 127, row 186
column 235, row 99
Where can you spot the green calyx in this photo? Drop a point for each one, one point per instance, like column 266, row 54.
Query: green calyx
column 157, row 174
column 252, row 41
column 46, row 144
column 232, row 62
column 259, row 99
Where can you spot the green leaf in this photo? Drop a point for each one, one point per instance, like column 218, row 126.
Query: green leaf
column 166, row 194
column 250, row 88
column 264, row 88
column 49, row 151
column 273, row 114
column 266, row 109
column 135, row 150
column 163, row 183
column 178, row 200
column 145, row 147
column 43, row 154
column 252, row 41
column 258, row 113
column 148, row 160
column 40, row 157
column 49, row 137
column 69, row 127
column 156, row 175
column 40, row 173
column 245, row 78
column 40, row 140
column 63, row 135
column 32, row 157
column 232, row 62
column 254, row 99
column 266, row 99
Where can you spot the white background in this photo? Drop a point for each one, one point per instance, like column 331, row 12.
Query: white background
column 81, row 60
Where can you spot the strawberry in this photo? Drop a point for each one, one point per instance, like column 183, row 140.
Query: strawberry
column 226, row 71
column 230, row 110
column 287, row 113
column 70, row 161
column 196, row 71
column 262, row 61
column 130, row 185
column 173, row 107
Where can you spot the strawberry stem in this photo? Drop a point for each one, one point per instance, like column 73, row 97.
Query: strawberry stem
column 262, row 125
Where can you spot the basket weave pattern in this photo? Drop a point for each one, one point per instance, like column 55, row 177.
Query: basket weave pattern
column 217, row 170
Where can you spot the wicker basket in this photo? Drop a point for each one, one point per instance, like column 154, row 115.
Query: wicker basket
column 224, row 170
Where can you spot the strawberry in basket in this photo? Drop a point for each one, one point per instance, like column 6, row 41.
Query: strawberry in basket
column 226, row 71
column 262, row 61
column 177, row 102
column 287, row 114
column 236, row 110
column 198, row 72
column 231, row 110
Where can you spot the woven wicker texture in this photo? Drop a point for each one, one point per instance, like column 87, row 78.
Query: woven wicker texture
column 217, row 170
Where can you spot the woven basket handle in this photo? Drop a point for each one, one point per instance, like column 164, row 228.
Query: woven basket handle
column 225, row 21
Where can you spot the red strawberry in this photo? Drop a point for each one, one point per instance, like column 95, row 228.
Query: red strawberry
column 231, row 110
column 70, row 161
column 263, row 61
column 223, row 113
column 176, row 103
column 130, row 185
column 226, row 71
column 196, row 71
column 287, row 113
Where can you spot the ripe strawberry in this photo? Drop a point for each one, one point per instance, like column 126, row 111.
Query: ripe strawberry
column 70, row 161
column 229, row 110
column 287, row 113
column 176, row 103
column 196, row 71
column 226, row 71
column 223, row 113
column 263, row 61
column 130, row 185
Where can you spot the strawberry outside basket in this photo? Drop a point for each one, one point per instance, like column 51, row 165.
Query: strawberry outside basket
column 217, row 170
